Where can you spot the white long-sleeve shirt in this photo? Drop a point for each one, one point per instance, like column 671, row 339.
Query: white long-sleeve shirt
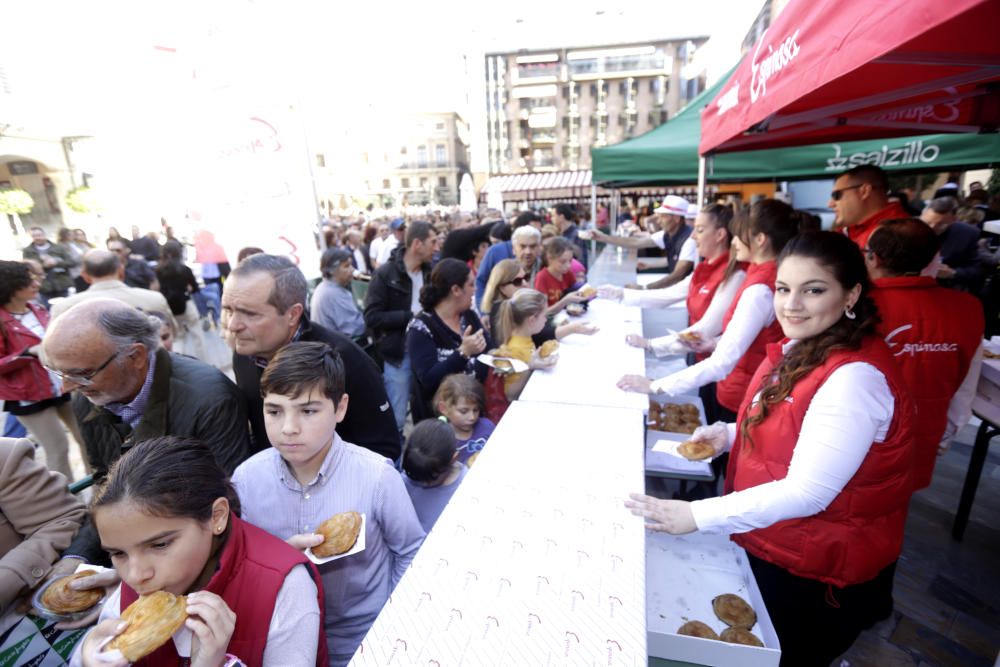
column 960, row 407
column 710, row 324
column 849, row 412
column 754, row 311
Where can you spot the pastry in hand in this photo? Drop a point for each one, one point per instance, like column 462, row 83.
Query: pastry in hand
column 152, row 620
column 587, row 292
column 62, row 599
column 689, row 336
column 503, row 365
column 697, row 629
column 548, row 348
column 340, row 532
column 696, row 450
column 740, row 636
column 734, row 611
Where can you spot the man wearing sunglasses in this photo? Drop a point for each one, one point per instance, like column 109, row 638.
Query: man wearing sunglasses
column 860, row 201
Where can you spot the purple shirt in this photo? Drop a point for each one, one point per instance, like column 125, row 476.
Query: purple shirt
column 481, row 432
column 430, row 501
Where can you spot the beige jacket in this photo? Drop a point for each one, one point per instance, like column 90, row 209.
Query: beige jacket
column 38, row 518
column 143, row 299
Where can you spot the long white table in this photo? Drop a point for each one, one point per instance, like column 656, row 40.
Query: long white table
column 535, row 561
column 590, row 366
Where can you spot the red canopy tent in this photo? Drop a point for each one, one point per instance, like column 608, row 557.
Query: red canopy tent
column 831, row 70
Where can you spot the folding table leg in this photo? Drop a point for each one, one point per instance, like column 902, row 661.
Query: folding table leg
column 976, row 461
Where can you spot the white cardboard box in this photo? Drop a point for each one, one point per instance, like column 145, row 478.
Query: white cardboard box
column 683, row 574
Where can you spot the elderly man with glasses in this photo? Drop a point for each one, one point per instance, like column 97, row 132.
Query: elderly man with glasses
column 860, row 202
column 129, row 389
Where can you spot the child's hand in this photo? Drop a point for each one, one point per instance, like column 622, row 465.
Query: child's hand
column 538, row 362
column 212, row 622
column 91, row 653
column 304, row 541
column 582, row 327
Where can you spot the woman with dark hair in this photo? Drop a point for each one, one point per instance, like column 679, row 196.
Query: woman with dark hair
column 821, row 469
column 177, row 284
column 748, row 325
column 445, row 336
column 168, row 516
column 29, row 391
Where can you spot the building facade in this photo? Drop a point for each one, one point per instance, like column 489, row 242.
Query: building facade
column 547, row 108
column 420, row 160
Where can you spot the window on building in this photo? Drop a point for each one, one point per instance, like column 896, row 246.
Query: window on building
column 623, row 88
column 440, row 155
column 423, row 182
column 593, row 90
column 386, row 184
column 443, row 180
column 404, row 182
column 402, row 151
column 320, row 160
column 421, row 156
column 439, row 126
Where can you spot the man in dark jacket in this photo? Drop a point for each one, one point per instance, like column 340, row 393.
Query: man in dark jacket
column 55, row 259
column 263, row 309
column 393, row 299
column 130, row 389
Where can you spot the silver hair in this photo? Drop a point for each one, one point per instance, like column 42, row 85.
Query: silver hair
column 525, row 232
column 127, row 326
column 944, row 205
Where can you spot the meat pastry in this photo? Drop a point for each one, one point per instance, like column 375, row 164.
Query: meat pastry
column 697, row 629
column 152, row 620
column 740, row 636
column 548, row 348
column 734, row 611
column 341, row 532
column 696, row 450
column 62, row 599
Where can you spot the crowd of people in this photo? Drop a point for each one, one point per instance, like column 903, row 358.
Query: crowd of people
column 834, row 368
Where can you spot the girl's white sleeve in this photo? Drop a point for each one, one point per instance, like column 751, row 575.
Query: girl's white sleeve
column 294, row 633
column 710, row 324
column 852, row 409
column 754, row 311
column 663, row 297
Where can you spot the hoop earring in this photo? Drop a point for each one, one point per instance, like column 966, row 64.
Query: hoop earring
column 849, row 313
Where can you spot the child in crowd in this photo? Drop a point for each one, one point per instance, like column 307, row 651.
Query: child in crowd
column 431, row 469
column 167, row 516
column 310, row 474
column 521, row 316
column 460, row 399
column 557, row 278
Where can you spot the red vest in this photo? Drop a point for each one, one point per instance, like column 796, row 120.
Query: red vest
column 23, row 377
column 860, row 232
column 730, row 390
column 933, row 334
column 861, row 531
column 252, row 569
column 705, row 281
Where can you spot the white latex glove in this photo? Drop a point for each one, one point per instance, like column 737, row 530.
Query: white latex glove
column 716, row 434
column 612, row 292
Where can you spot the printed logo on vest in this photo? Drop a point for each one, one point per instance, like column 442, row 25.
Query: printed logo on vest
column 913, row 348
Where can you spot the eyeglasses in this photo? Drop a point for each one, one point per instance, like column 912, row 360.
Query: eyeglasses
column 516, row 282
column 837, row 194
column 84, row 379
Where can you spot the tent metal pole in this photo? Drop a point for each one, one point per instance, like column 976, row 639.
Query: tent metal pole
column 593, row 217
column 701, row 182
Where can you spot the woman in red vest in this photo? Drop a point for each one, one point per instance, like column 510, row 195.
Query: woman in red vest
column 748, row 324
column 935, row 335
column 821, row 468
column 168, row 518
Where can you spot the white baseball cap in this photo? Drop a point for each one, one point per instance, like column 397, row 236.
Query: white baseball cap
column 673, row 205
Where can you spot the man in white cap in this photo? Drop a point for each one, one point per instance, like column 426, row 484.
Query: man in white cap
column 671, row 237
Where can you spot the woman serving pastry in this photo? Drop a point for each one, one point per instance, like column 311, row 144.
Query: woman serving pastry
column 820, row 473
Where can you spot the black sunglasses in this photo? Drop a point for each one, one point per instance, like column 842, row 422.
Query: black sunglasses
column 837, row 194
column 516, row 282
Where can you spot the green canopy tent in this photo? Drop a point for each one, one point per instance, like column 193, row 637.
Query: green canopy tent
column 669, row 154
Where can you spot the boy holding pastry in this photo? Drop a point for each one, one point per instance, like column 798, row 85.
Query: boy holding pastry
column 318, row 492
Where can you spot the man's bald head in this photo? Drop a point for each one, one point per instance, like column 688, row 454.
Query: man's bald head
column 101, row 264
